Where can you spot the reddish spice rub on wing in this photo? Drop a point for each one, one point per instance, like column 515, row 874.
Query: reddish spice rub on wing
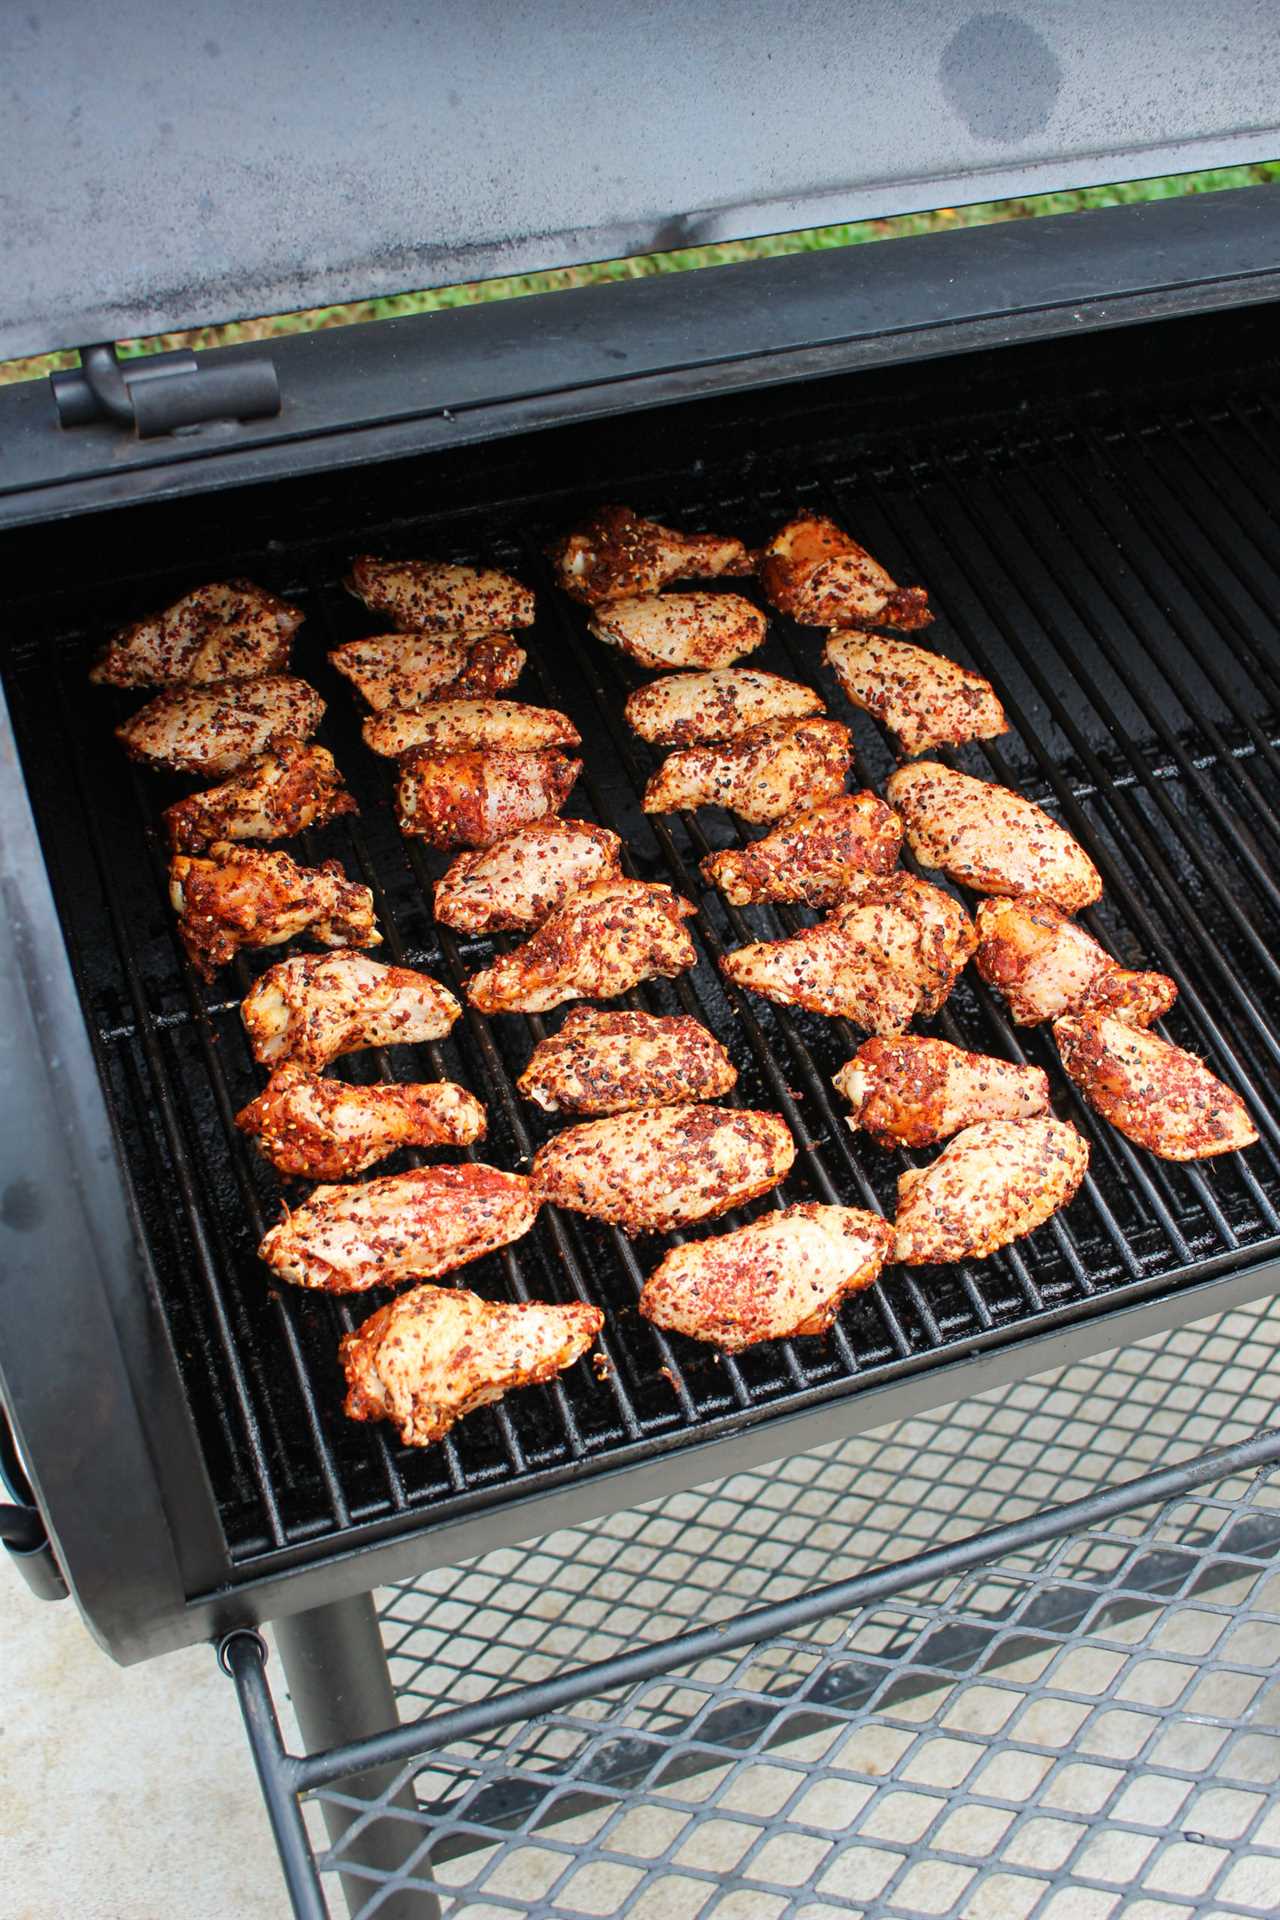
column 607, row 1060
column 615, row 554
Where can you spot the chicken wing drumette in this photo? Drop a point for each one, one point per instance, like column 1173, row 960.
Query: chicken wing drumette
column 278, row 794
column 1158, row 1095
column 1046, row 965
column 817, row 856
column 317, row 1006
column 615, row 554
column 603, row 1061
column 603, row 941
column 760, row 776
column 515, row 883
column 994, row 1182
column 693, row 709
column 681, row 629
column 460, row 726
column 249, row 897
column 401, row 670
column 217, row 729
column 230, row 630
column 431, row 596
column 915, row 1091
column 986, row 837
column 472, row 799
column 812, row 570
column 924, row 698
column 330, row 1130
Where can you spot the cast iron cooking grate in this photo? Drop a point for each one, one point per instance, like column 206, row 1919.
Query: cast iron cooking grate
column 1117, row 588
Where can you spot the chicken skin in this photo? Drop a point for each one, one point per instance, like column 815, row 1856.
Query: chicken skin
column 514, row 884
column 608, row 1062
column 603, row 941
column 248, row 897
column 663, row 1167
column 1157, row 1095
column 615, row 554
column 780, row 1277
column 472, row 799
column 883, row 959
column 760, row 776
column 401, row 670
column 925, row 699
column 403, row 1226
column 430, row 596
column 813, row 571
column 231, row 630
column 691, row 709
column 437, row 1353
column 988, row 838
column 462, row 726
column 217, row 729
column 914, row 1092
column 311, row 1009
column 328, row 1130
column 816, row 856
column 275, row 796
column 994, row 1182
column 1046, row 965
column 681, row 629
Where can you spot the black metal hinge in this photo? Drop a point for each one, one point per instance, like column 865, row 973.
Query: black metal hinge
column 163, row 392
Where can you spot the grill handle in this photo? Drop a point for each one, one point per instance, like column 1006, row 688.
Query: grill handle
column 165, row 391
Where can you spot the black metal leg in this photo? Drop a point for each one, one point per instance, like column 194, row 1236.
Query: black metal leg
column 336, row 1668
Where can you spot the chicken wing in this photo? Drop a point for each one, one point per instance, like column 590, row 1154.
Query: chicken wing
column 603, row 941
column 460, row 726
column 330, row 1130
column 681, row 629
column 404, row 1226
column 1157, row 1095
column 231, row 630
column 437, row 1353
column 882, row 959
column 663, row 1167
column 761, row 775
column 248, row 897
column 924, row 698
column 780, row 1277
column 608, row 1062
column 216, row 729
column 472, row 799
column 615, row 554
column 401, row 670
column 989, row 838
column 317, row 1006
column 690, row 709
column 275, row 796
column 431, row 596
column 520, row 879
column 994, row 1182
column 1046, row 965
column 817, row 855
column 914, row 1092
column 813, row 571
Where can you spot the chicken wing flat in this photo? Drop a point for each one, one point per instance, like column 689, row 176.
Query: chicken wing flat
column 460, row 726
column 514, row 884
column 1158, row 1095
column 608, row 1062
column 994, row 1182
column 986, row 837
column 780, row 1277
column 914, row 1092
column 311, row 1009
column 817, row 855
column 249, row 897
column 924, row 698
column 663, row 1167
column 230, row 630
column 278, row 794
column 1046, row 965
column 404, row 1226
column 812, row 570
column 681, row 629
column 616, row 554
column 216, row 729
column 603, row 941
column 472, row 799
column 329, row 1130
column 401, row 670
column 760, row 776
column 691, row 709
column 431, row 596
column 883, row 959
column 437, row 1353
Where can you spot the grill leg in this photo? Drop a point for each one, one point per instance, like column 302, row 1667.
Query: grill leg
column 336, row 1668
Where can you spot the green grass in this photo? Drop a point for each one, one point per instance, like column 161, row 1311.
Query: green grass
column 639, row 266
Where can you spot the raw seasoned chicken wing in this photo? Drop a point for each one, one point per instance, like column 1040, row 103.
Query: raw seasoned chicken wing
column 515, row 883
column 472, row 799
column 249, row 897
column 681, row 629
column 437, row 1353
column 986, row 837
column 330, row 1130
column 603, row 941
column 461, row 726
column 278, row 794
column 691, row 709
column 401, row 670
column 1046, row 965
column 317, row 1006
column 1158, row 1095
column 230, row 630
column 216, row 729
column 924, row 698
column 914, row 1091
column 990, row 1185
column 780, row 1277
column 812, row 570
column 761, row 775
column 615, row 554
column 606, row 1062
column 432, row 596
column 817, row 856
column 663, row 1167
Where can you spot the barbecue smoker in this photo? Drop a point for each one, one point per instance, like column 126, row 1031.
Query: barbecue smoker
column 1067, row 429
